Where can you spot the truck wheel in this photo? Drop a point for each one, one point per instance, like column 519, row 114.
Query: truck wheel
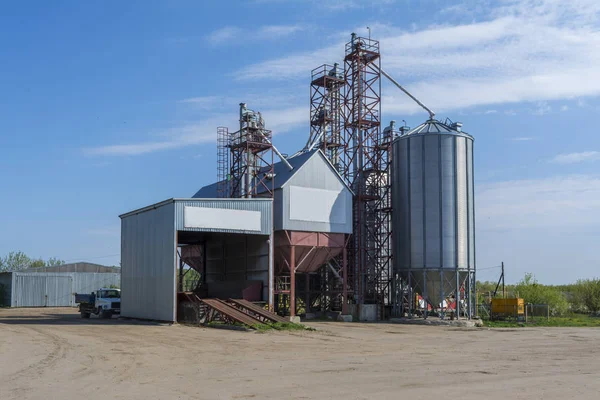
column 85, row 314
column 106, row 314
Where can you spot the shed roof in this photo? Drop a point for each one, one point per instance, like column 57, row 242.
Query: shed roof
column 75, row 267
column 282, row 173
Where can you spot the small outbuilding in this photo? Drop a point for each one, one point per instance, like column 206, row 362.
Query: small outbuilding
column 55, row 286
column 227, row 241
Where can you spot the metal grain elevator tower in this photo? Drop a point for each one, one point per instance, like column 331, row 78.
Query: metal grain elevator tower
column 327, row 83
column 365, row 164
column 245, row 158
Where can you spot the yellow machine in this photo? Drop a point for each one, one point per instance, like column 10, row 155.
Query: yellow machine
column 508, row 308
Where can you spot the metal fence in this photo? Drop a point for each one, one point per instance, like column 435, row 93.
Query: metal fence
column 537, row 312
column 531, row 314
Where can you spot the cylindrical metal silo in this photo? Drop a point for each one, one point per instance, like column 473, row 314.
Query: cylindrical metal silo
column 434, row 214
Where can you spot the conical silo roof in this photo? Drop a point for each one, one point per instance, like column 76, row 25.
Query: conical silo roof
column 435, row 126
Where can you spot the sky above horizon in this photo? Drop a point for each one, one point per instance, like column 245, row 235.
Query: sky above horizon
column 111, row 106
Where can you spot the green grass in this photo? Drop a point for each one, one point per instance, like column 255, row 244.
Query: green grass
column 282, row 326
column 574, row 320
column 277, row 326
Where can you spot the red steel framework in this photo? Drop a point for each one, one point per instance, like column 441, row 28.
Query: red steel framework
column 365, row 164
column 327, row 82
column 245, row 158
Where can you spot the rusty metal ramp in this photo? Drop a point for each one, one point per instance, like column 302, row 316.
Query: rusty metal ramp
column 220, row 310
column 257, row 312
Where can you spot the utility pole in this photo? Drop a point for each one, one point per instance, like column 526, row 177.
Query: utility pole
column 503, row 290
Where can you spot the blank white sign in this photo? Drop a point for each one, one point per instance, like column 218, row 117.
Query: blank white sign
column 220, row 218
column 318, row 205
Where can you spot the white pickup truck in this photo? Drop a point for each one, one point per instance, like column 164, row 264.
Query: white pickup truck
column 104, row 303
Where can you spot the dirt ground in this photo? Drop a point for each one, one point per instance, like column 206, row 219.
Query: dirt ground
column 53, row 354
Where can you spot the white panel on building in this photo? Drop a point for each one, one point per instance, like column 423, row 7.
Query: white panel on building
column 319, row 205
column 219, row 218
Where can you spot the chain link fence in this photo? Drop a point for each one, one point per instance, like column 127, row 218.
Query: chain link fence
column 537, row 313
column 531, row 313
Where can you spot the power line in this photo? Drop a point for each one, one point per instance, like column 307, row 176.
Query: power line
column 484, row 269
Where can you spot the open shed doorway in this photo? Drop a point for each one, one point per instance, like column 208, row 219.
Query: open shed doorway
column 224, row 266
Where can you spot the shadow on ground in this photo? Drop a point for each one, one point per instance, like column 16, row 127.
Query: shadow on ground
column 70, row 319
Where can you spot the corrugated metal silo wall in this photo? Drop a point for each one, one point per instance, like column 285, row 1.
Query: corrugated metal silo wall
column 433, row 206
column 148, row 268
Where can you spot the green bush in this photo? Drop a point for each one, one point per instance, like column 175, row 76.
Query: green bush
column 586, row 295
column 536, row 293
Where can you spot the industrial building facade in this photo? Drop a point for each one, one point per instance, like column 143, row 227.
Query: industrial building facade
column 373, row 221
column 240, row 247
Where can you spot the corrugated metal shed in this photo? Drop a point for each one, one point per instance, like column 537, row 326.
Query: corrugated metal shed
column 44, row 289
column 149, row 245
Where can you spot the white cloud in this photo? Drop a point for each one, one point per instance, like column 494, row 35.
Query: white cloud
column 223, row 35
column 491, row 111
column 174, row 138
column 278, row 120
column 335, row 5
column 203, row 102
column 232, row 35
column 564, row 108
column 521, row 139
column 278, row 31
column 528, row 51
column 573, row 158
column 560, row 201
column 542, row 108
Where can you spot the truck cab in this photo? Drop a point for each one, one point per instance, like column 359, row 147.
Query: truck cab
column 108, row 300
column 105, row 302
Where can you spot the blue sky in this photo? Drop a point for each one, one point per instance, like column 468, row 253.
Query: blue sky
column 110, row 106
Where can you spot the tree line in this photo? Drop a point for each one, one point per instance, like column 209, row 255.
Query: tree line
column 582, row 296
column 17, row 261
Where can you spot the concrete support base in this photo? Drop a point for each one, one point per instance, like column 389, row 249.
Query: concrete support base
column 344, row 318
column 295, row 319
column 364, row 312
